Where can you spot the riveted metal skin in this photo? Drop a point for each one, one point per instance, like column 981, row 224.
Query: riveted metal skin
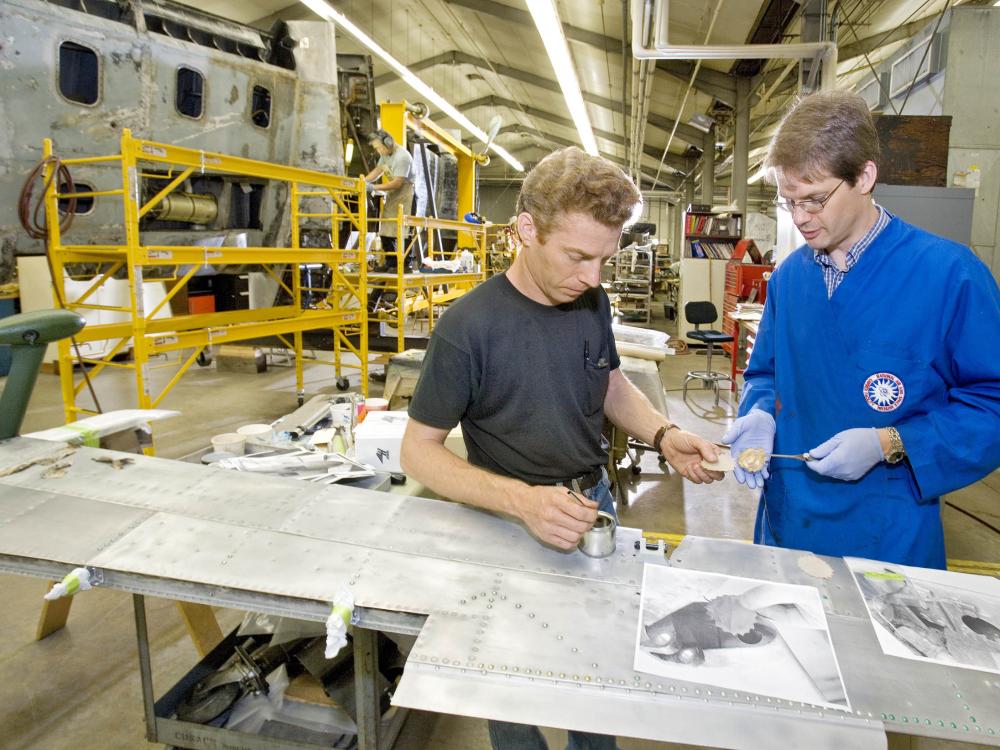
column 514, row 630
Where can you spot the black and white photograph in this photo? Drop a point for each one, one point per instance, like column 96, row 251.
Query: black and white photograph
column 739, row 633
column 932, row 615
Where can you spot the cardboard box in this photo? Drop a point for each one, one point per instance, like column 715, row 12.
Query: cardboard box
column 377, row 440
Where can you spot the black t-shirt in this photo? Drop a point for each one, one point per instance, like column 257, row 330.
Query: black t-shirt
column 527, row 381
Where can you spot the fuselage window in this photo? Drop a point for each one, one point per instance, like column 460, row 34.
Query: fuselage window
column 190, row 92
column 260, row 107
column 79, row 79
column 84, row 203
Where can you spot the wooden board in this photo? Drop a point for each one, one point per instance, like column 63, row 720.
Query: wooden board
column 914, row 149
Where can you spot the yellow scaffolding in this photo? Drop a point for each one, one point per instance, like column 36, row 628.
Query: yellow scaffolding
column 397, row 118
column 342, row 309
column 501, row 247
column 418, row 294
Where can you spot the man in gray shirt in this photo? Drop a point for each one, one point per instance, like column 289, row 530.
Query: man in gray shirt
column 396, row 165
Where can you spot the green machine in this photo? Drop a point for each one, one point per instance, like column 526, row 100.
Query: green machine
column 28, row 334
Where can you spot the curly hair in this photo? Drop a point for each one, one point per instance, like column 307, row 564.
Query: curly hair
column 572, row 181
column 829, row 131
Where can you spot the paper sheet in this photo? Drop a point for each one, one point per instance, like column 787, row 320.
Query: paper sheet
column 932, row 615
column 738, row 633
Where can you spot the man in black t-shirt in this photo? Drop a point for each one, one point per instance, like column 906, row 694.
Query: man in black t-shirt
column 526, row 362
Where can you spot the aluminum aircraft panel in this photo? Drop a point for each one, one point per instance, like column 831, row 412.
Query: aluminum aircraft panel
column 60, row 528
column 577, row 661
column 943, row 701
column 515, row 631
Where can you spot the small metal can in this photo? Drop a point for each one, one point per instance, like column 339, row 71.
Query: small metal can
column 600, row 540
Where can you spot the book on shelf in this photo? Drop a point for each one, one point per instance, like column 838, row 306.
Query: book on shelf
column 722, row 226
column 711, row 250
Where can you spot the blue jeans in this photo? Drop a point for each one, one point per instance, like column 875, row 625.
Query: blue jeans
column 507, row 736
column 601, row 493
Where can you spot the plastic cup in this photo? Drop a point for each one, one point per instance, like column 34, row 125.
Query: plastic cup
column 229, row 442
column 341, row 414
column 257, row 433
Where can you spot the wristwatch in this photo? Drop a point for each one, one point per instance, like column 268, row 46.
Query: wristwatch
column 658, row 438
column 896, row 452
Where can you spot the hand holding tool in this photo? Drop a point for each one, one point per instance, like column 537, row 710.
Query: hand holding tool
column 750, row 460
column 848, row 455
column 797, row 456
column 755, row 430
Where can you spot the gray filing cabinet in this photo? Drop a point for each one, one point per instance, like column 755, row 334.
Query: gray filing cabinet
column 946, row 212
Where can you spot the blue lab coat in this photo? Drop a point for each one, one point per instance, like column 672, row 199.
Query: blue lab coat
column 911, row 339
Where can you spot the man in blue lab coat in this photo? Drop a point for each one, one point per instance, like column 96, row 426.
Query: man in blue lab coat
column 878, row 352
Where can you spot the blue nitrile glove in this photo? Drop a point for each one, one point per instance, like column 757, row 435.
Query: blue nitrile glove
column 755, row 430
column 848, row 455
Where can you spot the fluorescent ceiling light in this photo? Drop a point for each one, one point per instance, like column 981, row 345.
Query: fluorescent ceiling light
column 324, row 10
column 551, row 31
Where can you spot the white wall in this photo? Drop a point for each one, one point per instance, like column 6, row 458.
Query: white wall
column 925, row 99
column 972, row 72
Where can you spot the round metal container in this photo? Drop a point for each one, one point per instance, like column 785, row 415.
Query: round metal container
column 600, row 540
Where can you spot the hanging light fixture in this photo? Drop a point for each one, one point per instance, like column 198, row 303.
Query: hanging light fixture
column 324, row 10
column 550, row 30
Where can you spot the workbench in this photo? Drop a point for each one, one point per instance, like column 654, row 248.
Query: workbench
column 508, row 629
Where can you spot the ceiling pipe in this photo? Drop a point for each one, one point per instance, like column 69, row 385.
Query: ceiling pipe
column 642, row 94
column 633, row 110
column 707, row 154
column 650, row 41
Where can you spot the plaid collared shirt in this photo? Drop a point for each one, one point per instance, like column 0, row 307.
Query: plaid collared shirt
column 833, row 275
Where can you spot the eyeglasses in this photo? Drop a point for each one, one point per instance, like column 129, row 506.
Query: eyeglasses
column 809, row 205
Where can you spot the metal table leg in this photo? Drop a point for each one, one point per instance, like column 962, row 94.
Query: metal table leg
column 366, row 688
column 145, row 666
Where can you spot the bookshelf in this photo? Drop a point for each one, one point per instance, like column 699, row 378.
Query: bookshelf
column 709, row 235
column 709, row 240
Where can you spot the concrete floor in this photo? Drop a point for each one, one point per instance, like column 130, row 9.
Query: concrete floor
column 79, row 688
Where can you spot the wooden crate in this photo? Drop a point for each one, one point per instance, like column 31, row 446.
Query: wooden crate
column 914, row 149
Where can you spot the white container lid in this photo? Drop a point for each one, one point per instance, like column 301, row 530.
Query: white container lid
column 253, row 430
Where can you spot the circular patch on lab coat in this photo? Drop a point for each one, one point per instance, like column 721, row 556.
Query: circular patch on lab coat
column 884, row 391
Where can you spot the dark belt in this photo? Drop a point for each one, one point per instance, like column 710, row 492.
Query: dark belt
column 586, row 481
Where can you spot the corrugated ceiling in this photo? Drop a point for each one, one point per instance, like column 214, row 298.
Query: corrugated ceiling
column 485, row 56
